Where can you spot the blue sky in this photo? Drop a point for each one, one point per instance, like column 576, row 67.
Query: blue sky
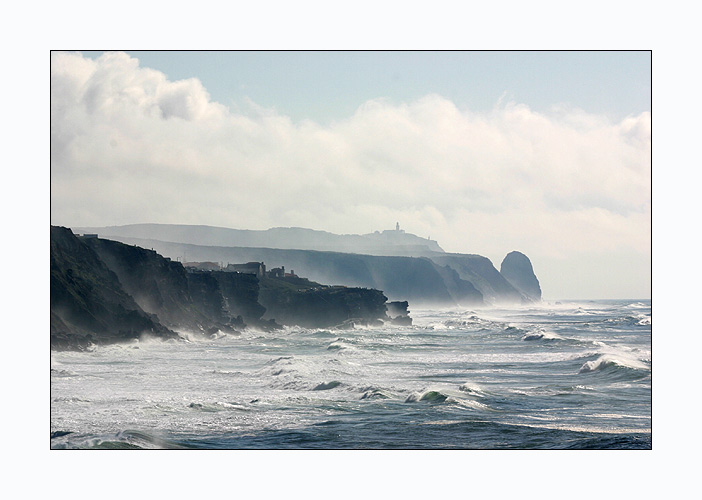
column 330, row 85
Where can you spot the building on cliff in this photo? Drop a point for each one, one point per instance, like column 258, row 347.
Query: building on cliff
column 257, row 268
column 276, row 272
column 202, row 266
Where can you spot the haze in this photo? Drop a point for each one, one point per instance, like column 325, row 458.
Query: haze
column 566, row 181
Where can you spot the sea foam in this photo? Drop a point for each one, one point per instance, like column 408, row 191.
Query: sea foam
column 608, row 360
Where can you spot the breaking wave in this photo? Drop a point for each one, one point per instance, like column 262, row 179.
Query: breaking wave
column 644, row 321
column 438, row 397
column 480, row 371
column 374, row 393
column 325, row 386
column 123, row 440
column 428, row 396
column 471, row 389
column 610, row 362
column 541, row 335
column 216, row 406
column 340, row 344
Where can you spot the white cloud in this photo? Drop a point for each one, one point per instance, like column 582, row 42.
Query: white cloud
column 130, row 146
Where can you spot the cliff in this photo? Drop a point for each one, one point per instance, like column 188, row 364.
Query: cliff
column 403, row 265
column 316, row 306
column 481, row 273
column 160, row 286
column 240, row 296
column 106, row 291
column 517, row 269
column 389, row 242
column 418, row 280
column 88, row 304
column 398, row 313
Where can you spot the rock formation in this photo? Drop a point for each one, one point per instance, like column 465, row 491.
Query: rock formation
column 480, row 272
column 517, row 269
column 323, row 306
column 404, row 266
column 398, row 313
column 419, row 280
column 106, row 291
column 88, row 303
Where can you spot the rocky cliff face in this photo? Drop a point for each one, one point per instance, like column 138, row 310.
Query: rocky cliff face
column 398, row 313
column 463, row 292
column 105, row 291
column 160, row 286
column 199, row 301
column 517, row 269
column 387, row 260
column 419, row 280
column 240, row 294
column 324, row 306
column 480, row 272
column 88, row 303
column 208, row 299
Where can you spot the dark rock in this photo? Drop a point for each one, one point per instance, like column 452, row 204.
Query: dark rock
column 398, row 313
column 240, row 295
column 105, row 291
column 198, row 301
column 88, row 304
column 321, row 307
column 416, row 279
column 160, row 286
column 397, row 308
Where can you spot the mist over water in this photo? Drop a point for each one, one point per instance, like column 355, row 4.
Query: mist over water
column 557, row 375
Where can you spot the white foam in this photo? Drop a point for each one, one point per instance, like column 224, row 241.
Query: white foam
column 472, row 389
column 154, row 383
column 541, row 335
column 646, row 320
column 609, row 360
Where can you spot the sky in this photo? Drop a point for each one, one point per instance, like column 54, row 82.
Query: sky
column 548, row 153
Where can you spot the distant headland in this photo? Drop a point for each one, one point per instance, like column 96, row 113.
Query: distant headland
column 110, row 284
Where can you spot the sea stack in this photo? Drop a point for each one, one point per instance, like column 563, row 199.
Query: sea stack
column 516, row 268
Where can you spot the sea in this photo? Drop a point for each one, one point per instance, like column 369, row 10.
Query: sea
column 559, row 375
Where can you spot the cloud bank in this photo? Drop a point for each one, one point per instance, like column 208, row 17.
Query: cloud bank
column 128, row 145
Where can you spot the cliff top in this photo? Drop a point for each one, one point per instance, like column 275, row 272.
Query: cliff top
column 388, row 242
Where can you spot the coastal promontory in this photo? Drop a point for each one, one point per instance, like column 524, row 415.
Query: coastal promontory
column 517, row 269
column 105, row 291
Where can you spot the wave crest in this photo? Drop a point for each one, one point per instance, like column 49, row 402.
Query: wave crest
column 471, row 389
column 325, row 386
column 428, row 396
column 607, row 361
column 541, row 335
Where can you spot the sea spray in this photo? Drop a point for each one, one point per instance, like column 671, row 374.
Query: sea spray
column 454, row 379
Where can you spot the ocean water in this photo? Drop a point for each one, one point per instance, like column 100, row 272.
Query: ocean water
column 559, row 375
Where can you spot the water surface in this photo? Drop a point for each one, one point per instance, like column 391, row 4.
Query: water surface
column 563, row 375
